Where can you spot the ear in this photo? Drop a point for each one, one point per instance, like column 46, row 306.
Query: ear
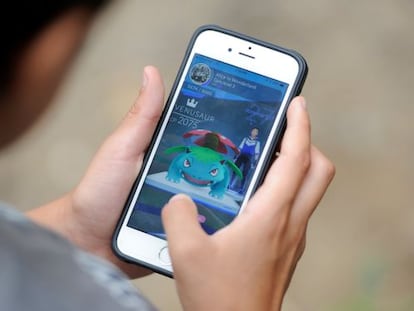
column 234, row 168
column 176, row 149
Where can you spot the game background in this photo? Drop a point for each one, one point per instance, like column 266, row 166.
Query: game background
column 231, row 102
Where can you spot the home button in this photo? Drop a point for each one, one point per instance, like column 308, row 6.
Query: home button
column 164, row 256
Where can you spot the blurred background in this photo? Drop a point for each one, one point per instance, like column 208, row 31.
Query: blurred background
column 360, row 253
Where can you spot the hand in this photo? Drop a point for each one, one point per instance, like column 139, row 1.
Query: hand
column 87, row 216
column 248, row 264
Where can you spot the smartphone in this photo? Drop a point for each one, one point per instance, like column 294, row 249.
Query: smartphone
column 215, row 140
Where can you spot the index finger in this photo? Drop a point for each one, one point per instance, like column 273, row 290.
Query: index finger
column 286, row 174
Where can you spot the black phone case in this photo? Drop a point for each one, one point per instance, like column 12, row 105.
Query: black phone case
column 297, row 88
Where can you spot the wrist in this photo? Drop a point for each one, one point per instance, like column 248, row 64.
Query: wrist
column 53, row 216
column 62, row 217
column 59, row 216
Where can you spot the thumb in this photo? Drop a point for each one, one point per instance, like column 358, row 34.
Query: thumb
column 118, row 159
column 180, row 219
column 138, row 126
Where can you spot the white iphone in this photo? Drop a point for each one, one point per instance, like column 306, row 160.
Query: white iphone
column 215, row 140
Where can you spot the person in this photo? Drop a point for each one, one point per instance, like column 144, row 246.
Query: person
column 247, row 158
column 58, row 256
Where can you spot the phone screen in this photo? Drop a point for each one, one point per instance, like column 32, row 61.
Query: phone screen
column 211, row 144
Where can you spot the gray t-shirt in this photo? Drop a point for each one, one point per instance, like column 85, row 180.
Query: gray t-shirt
column 40, row 271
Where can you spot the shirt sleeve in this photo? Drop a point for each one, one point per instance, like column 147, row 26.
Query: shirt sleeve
column 242, row 144
column 40, row 270
column 257, row 150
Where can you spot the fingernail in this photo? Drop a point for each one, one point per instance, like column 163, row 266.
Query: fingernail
column 302, row 102
column 144, row 79
column 178, row 197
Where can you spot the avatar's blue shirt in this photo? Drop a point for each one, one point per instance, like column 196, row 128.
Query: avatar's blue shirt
column 250, row 147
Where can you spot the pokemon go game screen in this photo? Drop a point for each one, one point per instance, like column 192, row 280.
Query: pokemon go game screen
column 211, row 144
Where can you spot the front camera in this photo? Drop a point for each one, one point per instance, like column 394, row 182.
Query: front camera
column 230, row 49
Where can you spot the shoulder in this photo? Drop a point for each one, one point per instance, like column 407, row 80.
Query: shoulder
column 51, row 274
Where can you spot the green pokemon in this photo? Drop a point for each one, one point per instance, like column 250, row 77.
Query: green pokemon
column 202, row 167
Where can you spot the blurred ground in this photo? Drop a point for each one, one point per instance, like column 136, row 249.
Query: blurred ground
column 360, row 253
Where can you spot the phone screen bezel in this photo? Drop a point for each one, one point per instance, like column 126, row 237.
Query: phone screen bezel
column 270, row 61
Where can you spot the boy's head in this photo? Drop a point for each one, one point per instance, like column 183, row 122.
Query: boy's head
column 39, row 39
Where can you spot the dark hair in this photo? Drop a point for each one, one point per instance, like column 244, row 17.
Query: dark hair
column 21, row 21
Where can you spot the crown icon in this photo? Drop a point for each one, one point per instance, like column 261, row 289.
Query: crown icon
column 192, row 103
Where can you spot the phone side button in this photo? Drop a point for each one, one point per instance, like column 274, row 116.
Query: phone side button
column 164, row 256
